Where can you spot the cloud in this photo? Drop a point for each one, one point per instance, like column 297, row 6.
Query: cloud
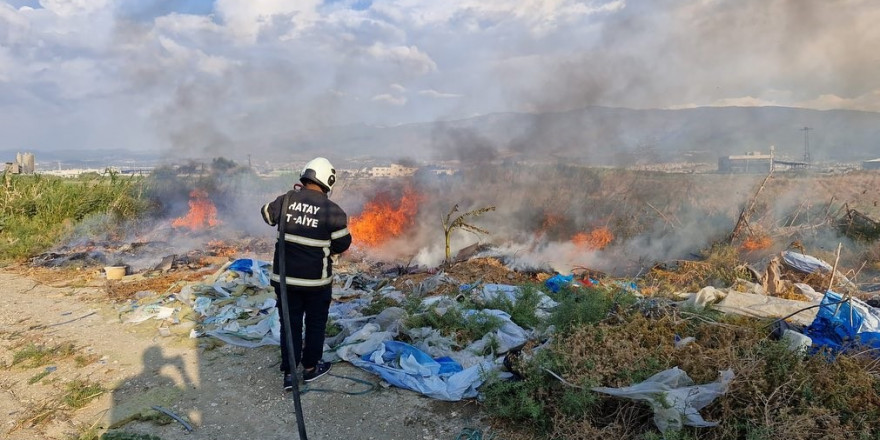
column 869, row 101
column 247, row 18
column 66, row 8
column 409, row 58
column 439, row 95
column 263, row 69
column 389, row 99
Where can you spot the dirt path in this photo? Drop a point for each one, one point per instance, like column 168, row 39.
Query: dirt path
column 226, row 392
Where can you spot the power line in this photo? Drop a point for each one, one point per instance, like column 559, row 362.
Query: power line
column 807, row 158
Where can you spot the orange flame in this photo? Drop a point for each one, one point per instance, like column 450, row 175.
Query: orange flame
column 596, row 239
column 383, row 219
column 202, row 213
column 756, row 242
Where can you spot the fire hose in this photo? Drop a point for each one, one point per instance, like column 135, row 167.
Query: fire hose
column 288, row 333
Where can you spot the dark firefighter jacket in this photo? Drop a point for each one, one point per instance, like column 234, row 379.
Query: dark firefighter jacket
column 316, row 228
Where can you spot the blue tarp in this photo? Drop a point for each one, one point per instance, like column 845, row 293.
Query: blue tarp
column 558, row 281
column 405, row 366
column 840, row 325
column 252, row 267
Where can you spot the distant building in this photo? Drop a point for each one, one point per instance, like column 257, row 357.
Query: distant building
column 24, row 164
column 873, row 164
column 394, row 170
column 752, row 162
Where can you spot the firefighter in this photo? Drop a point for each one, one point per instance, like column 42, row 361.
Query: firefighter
column 315, row 229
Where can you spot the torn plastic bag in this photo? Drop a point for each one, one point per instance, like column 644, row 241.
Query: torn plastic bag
column 558, row 281
column 506, row 337
column 431, row 341
column 366, row 340
column 805, row 263
column 405, row 366
column 256, row 268
column 843, row 325
column 267, row 331
column 675, row 399
column 151, row 311
column 245, row 272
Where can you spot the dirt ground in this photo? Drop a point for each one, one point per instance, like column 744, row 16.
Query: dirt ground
column 225, row 392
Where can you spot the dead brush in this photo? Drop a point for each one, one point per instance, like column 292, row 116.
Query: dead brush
column 77, row 394
column 38, row 413
column 720, row 266
column 777, row 393
column 687, row 276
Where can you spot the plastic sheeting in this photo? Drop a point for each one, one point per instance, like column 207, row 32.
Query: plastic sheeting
column 805, row 263
column 405, row 366
column 150, row 311
column 841, row 325
column 558, row 281
column 508, row 336
column 239, row 307
column 674, row 398
column 372, row 347
column 751, row 305
column 512, row 293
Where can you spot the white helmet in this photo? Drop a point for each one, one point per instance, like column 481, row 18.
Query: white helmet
column 320, row 171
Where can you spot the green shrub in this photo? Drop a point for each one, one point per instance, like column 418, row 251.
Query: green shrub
column 377, row 305
column 522, row 309
column 455, row 322
column 587, row 306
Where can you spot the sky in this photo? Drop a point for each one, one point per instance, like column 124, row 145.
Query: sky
column 162, row 74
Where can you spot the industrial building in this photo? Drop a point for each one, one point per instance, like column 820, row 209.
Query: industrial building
column 752, row 162
column 873, row 164
column 24, row 164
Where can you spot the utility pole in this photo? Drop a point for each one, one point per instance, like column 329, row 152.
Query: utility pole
column 249, row 162
column 807, row 158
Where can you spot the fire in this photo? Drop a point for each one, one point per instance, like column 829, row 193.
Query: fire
column 383, row 219
column 202, row 213
column 596, row 239
column 756, row 242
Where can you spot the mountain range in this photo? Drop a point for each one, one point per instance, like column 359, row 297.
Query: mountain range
column 592, row 135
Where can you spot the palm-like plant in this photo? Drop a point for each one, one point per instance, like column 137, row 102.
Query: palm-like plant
column 450, row 224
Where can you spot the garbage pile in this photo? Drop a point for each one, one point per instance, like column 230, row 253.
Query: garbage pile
column 441, row 336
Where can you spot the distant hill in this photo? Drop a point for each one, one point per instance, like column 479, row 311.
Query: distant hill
column 592, row 135
column 614, row 136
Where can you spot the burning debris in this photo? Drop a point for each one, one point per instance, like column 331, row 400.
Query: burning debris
column 384, row 218
column 202, row 213
column 595, row 240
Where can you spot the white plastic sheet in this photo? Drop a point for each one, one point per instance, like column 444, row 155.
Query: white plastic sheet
column 675, row 399
column 751, row 305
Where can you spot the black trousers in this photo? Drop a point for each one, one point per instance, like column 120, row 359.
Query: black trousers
column 313, row 305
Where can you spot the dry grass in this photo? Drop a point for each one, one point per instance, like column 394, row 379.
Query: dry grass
column 75, row 395
column 776, row 393
column 33, row 354
column 125, row 289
